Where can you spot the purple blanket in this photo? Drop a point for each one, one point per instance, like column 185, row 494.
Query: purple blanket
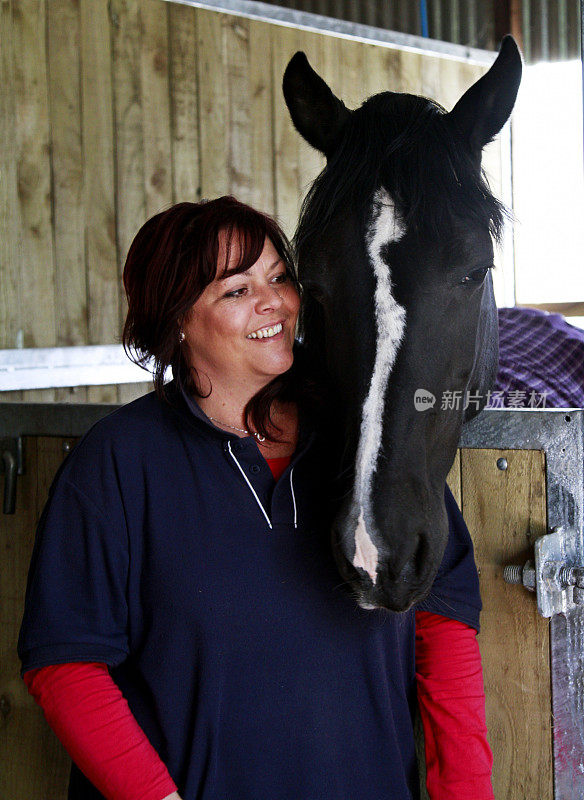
column 541, row 361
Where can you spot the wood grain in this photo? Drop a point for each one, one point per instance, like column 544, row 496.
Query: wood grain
column 31, row 134
column 128, row 130
column 184, row 99
column 156, row 121
column 213, row 107
column 505, row 512
column 99, row 184
column 11, row 302
column 131, row 105
column 34, row 764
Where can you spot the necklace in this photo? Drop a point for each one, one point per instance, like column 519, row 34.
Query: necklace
column 258, row 436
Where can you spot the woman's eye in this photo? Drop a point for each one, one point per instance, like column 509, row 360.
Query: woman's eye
column 476, row 276
column 236, row 292
column 281, row 278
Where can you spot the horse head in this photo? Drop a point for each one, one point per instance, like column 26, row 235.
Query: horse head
column 395, row 250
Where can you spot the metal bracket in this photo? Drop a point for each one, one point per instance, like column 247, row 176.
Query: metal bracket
column 12, row 464
column 557, row 576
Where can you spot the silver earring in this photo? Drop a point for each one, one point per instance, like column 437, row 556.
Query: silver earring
column 181, row 337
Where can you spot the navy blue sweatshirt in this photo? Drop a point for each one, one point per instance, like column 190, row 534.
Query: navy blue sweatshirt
column 167, row 552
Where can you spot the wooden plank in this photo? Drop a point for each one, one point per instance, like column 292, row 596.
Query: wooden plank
column 213, row 104
column 33, row 158
column 296, row 163
column 430, row 78
column 505, row 512
column 34, row 762
column 129, row 134
column 99, row 184
column 67, row 163
column 132, row 391
column 353, row 77
column 155, row 105
column 382, row 70
column 33, row 145
column 262, row 88
column 285, row 42
column 409, row 73
column 235, row 40
column 11, row 307
column 184, row 98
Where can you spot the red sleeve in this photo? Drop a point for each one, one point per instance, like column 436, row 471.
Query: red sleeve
column 451, row 697
column 94, row 723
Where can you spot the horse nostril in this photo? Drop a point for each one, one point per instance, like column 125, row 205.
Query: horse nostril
column 415, row 561
column 421, row 554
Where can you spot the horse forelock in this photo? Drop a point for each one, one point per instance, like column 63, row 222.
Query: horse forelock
column 404, row 143
column 390, row 318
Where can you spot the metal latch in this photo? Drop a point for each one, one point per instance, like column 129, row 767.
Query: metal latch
column 12, row 464
column 557, row 576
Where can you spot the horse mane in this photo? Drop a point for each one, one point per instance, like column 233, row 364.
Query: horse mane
column 405, row 144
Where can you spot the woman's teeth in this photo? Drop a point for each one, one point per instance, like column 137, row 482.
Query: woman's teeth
column 265, row 333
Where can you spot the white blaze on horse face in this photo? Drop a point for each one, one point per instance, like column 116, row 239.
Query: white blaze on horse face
column 365, row 551
column 390, row 318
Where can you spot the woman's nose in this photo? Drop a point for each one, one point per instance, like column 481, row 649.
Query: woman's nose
column 269, row 297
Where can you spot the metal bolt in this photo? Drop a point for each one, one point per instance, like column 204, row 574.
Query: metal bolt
column 572, row 576
column 513, row 574
column 502, row 463
column 66, row 447
column 524, row 575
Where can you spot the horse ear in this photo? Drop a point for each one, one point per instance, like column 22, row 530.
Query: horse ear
column 482, row 111
column 318, row 115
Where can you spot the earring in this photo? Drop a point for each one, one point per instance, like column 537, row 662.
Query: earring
column 181, row 337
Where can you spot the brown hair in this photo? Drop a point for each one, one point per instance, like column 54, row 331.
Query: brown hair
column 173, row 257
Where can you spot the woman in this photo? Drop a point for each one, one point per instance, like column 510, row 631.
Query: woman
column 185, row 629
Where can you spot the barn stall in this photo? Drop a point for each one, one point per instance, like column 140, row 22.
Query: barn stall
column 113, row 111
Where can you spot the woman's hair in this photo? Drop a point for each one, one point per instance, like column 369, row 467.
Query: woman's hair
column 173, row 257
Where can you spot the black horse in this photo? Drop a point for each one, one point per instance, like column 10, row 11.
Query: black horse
column 395, row 251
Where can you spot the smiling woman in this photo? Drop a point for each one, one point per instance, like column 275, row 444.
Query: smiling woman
column 207, row 284
column 240, row 331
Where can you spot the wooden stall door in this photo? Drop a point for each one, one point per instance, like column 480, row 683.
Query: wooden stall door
column 505, row 510
column 33, row 764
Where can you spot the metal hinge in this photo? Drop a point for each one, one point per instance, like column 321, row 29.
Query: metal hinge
column 556, row 576
column 12, row 464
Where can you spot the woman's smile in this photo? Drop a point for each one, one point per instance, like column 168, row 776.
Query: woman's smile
column 242, row 327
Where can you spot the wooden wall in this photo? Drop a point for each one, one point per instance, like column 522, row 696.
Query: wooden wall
column 112, row 110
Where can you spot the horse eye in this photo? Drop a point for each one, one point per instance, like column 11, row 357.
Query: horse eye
column 315, row 291
column 476, row 276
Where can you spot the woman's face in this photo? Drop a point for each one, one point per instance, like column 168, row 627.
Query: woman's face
column 232, row 331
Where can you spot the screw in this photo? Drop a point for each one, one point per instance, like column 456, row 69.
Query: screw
column 502, row 463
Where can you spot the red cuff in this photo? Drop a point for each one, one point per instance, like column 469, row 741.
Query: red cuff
column 451, row 698
column 93, row 721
